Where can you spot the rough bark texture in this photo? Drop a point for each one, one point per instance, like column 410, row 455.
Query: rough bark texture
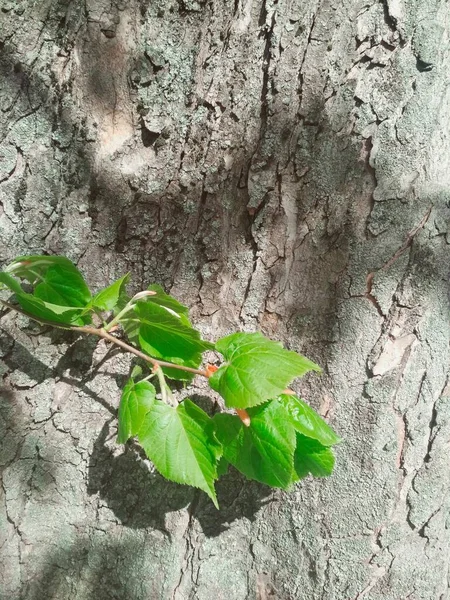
column 281, row 165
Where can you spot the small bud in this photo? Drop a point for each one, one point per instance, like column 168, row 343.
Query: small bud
column 244, row 416
column 210, row 369
column 143, row 294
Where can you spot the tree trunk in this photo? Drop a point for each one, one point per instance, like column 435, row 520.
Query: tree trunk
column 276, row 165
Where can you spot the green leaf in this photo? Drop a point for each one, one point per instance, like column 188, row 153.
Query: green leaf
column 108, row 298
column 170, row 303
column 35, row 268
column 163, row 335
column 307, row 422
column 62, row 286
column 158, row 319
column 222, row 467
column 39, row 309
column 136, row 401
column 256, row 370
column 182, row 445
column 60, row 291
column 264, row 451
column 311, row 457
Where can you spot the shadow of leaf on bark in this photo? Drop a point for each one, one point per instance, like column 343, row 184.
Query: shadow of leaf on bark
column 100, row 569
column 140, row 497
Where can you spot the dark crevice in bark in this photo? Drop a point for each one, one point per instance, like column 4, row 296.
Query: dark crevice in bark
column 190, row 548
column 267, row 33
column 423, row 67
column 371, row 297
column 368, row 147
column 432, row 425
column 391, row 21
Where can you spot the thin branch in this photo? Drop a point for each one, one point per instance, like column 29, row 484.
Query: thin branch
column 101, row 333
column 34, row 318
column 161, row 363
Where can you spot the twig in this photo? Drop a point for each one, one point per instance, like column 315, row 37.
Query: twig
column 101, row 333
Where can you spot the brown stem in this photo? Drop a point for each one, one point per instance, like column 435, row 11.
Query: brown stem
column 107, row 336
column 161, row 363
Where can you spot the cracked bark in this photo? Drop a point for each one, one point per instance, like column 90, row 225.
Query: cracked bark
column 275, row 166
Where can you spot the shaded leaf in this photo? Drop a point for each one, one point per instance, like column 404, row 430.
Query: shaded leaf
column 108, row 299
column 256, row 369
column 264, row 451
column 307, row 422
column 181, row 444
column 65, row 287
column 222, row 467
column 136, row 401
column 311, row 457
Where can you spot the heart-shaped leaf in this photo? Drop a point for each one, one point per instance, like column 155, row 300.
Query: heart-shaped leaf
column 311, row 457
column 181, row 444
column 256, row 369
column 307, row 422
column 263, row 451
column 136, row 401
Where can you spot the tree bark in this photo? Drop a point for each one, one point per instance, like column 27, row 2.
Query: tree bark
column 277, row 165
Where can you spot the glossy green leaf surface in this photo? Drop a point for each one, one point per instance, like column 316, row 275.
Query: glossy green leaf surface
column 162, row 335
column 33, row 268
column 60, row 293
column 169, row 303
column 39, row 309
column 307, row 422
column 63, row 286
column 311, row 457
column 108, row 298
column 264, row 451
column 256, row 369
column 136, row 401
column 181, row 444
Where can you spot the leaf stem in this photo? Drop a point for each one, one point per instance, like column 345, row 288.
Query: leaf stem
column 129, row 306
column 166, row 394
column 119, row 315
column 162, row 383
column 102, row 333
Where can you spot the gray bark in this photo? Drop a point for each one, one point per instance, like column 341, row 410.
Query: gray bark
column 277, row 165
